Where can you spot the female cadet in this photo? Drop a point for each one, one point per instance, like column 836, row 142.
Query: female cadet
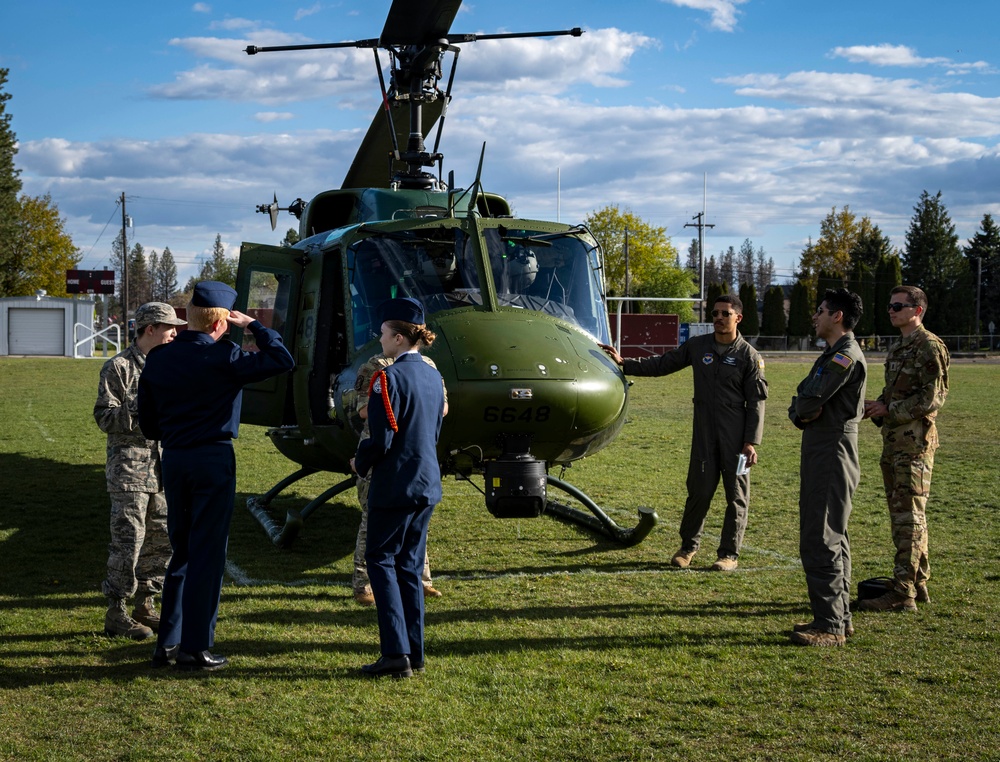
column 405, row 408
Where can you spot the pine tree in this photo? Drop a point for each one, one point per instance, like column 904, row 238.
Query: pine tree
column 774, row 321
column 862, row 283
column 983, row 255
column 764, row 271
column 166, row 276
column 220, row 267
column 888, row 275
column 933, row 261
column 750, row 325
column 800, row 311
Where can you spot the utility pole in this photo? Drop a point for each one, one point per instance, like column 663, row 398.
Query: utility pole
column 124, row 267
column 701, row 225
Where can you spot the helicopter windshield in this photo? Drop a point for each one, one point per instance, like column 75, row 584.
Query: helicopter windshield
column 436, row 267
column 557, row 273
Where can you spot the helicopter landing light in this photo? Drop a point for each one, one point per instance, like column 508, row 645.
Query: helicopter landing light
column 521, row 394
column 543, row 370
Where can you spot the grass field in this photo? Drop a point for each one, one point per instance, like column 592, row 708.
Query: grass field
column 547, row 645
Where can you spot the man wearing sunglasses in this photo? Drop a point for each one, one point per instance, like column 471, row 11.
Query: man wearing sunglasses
column 729, row 394
column 827, row 406
column 916, row 384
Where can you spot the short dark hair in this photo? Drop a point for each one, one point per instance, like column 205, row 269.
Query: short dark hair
column 914, row 294
column 731, row 299
column 842, row 300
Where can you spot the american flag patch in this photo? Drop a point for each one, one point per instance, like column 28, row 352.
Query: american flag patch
column 842, row 360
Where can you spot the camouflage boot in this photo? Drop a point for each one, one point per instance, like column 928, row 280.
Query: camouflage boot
column 145, row 613
column 118, row 622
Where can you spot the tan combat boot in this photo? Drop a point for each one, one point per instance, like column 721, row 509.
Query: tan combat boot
column 922, row 595
column 725, row 564
column 814, row 637
column 682, row 558
column 891, row 601
column 364, row 597
column 118, row 622
column 145, row 613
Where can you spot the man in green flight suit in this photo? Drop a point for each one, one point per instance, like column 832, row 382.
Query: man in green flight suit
column 729, row 394
column 916, row 385
column 827, row 406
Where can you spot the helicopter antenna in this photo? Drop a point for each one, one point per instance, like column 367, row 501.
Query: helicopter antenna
column 477, row 186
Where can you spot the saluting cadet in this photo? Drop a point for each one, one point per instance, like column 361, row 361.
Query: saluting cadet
column 405, row 409
column 190, row 394
column 359, row 579
column 140, row 549
column 729, row 394
column 916, row 385
column 827, row 407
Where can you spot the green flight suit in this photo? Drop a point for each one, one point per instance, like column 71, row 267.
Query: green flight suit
column 729, row 394
column 829, row 472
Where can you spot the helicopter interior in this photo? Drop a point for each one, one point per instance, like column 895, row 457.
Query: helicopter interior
column 555, row 274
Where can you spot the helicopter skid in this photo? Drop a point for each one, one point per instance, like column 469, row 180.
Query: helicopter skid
column 284, row 536
column 598, row 521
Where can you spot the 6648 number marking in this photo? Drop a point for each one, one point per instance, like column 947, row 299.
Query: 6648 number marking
column 515, row 415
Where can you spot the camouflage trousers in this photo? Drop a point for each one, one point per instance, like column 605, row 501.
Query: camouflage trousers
column 907, row 479
column 359, row 580
column 140, row 548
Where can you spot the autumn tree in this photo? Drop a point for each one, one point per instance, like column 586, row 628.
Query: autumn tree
column 10, row 187
column 37, row 251
column 651, row 256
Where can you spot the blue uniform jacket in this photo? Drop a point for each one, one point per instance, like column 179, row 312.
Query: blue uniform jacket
column 191, row 390
column 403, row 461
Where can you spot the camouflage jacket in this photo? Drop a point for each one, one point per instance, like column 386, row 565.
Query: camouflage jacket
column 360, row 392
column 916, row 385
column 133, row 461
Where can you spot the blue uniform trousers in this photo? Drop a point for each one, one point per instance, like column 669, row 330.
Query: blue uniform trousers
column 397, row 542
column 200, row 487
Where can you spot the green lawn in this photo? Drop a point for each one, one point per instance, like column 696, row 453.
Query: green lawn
column 548, row 643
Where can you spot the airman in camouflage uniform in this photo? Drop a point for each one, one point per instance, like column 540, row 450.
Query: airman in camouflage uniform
column 916, row 385
column 140, row 549
column 357, row 407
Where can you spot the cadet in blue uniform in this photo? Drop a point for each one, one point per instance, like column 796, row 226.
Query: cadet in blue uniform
column 405, row 408
column 190, row 394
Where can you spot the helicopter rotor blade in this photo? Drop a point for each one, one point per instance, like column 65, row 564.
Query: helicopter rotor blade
column 415, row 22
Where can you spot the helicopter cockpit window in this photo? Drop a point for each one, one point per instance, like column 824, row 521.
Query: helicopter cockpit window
column 267, row 301
column 435, row 267
column 554, row 273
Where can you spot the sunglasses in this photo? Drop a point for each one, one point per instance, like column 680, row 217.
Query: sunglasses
column 899, row 306
column 722, row 313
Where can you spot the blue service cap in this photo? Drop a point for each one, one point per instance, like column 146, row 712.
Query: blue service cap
column 404, row 308
column 212, row 293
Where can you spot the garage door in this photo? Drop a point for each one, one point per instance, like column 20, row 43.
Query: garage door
column 36, row 332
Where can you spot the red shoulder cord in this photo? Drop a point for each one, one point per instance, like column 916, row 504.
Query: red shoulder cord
column 385, row 397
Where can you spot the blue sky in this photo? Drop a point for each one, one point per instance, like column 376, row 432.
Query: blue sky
column 787, row 107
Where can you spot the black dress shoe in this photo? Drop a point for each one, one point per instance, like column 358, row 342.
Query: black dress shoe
column 389, row 667
column 164, row 656
column 202, row 661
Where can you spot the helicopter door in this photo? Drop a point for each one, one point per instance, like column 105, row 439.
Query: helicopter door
column 267, row 283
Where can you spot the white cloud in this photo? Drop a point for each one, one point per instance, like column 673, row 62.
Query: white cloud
column 723, row 12
column 526, row 64
column 302, row 13
column 901, row 55
column 273, row 116
column 201, row 8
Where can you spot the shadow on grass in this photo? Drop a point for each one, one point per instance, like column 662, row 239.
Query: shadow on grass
column 55, row 517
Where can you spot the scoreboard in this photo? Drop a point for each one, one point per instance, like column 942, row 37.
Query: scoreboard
column 90, row 281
